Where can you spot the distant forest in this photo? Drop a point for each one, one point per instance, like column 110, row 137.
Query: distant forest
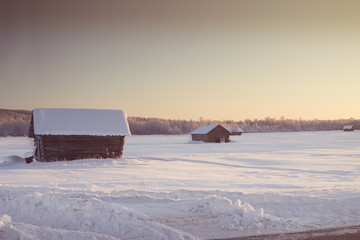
column 17, row 122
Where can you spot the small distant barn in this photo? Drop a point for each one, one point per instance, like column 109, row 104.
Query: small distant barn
column 211, row 133
column 69, row 134
column 348, row 128
column 235, row 130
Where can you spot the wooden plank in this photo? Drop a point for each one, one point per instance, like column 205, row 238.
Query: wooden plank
column 61, row 147
column 31, row 128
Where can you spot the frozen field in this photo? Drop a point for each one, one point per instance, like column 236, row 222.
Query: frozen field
column 166, row 187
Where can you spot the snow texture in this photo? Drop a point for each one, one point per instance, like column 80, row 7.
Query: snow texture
column 52, row 121
column 166, row 188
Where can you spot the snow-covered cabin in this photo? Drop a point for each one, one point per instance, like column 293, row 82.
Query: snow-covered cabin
column 69, row 134
column 211, row 133
column 235, row 130
column 348, row 128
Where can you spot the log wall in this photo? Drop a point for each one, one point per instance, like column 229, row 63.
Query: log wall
column 72, row 147
column 219, row 134
column 31, row 128
column 199, row 137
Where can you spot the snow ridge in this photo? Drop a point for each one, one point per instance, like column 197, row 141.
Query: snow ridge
column 83, row 213
column 182, row 214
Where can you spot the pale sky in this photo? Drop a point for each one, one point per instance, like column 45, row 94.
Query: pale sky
column 183, row 59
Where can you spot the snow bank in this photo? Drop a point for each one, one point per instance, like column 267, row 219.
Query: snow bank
column 79, row 212
column 6, row 229
column 114, row 215
column 14, row 231
column 180, row 214
column 11, row 161
column 232, row 215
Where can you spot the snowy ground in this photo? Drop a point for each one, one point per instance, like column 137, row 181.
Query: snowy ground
column 166, row 187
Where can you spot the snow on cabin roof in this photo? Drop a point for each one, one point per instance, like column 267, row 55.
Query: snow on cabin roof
column 348, row 127
column 204, row 129
column 236, row 129
column 69, row 121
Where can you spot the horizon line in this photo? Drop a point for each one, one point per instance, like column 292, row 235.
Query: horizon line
column 224, row 120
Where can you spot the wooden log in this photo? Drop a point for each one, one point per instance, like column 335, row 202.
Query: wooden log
column 70, row 147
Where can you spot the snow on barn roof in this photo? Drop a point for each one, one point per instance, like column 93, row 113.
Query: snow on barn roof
column 205, row 129
column 69, row 121
column 234, row 129
column 348, row 127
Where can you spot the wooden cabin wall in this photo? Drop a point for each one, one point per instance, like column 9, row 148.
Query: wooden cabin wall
column 71, row 147
column 199, row 137
column 236, row 133
column 31, row 128
column 218, row 132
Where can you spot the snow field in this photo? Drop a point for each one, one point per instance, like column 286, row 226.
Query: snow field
column 167, row 187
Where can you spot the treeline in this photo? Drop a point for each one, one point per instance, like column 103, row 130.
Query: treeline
column 17, row 122
column 14, row 122
column 147, row 126
column 295, row 125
